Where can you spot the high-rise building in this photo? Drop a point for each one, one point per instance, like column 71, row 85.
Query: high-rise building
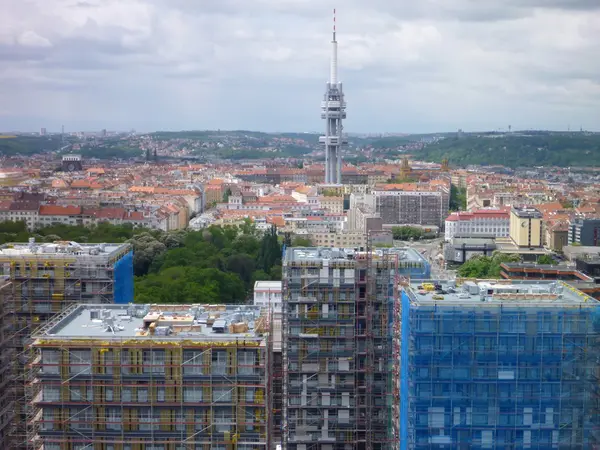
column 333, row 110
column 497, row 365
column 526, row 227
column 138, row 377
column 336, row 348
column 412, row 204
column 45, row 279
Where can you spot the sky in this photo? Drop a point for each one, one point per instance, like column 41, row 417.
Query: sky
column 407, row 66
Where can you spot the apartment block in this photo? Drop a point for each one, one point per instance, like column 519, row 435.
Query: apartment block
column 584, row 232
column 45, row 279
column 336, row 348
column 267, row 294
column 482, row 222
column 497, row 365
column 161, row 377
column 413, row 207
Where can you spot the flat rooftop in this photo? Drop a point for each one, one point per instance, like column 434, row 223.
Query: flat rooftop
column 156, row 322
column 274, row 286
column 332, row 253
column 489, row 292
column 527, row 212
column 60, row 249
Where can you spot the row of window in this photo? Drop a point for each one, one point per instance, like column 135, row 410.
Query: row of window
column 192, row 394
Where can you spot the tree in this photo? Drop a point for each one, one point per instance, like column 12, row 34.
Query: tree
column 270, row 250
column 546, row 259
column 406, row 233
column 458, row 198
column 301, row 242
column 486, row 266
column 226, row 195
column 145, row 248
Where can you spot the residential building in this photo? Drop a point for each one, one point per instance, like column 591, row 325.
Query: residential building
column 152, row 376
column 336, row 348
column 584, row 231
column 412, row 205
column 267, row 294
column 487, row 222
column 47, row 278
column 494, row 365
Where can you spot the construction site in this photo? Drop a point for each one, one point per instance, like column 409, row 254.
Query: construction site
column 44, row 279
column 498, row 364
column 7, row 357
column 337, row 348
column 161, row 377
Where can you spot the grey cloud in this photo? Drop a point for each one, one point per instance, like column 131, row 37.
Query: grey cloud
column 405, row 65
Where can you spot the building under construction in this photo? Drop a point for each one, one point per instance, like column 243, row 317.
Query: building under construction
column 141, row 377
column 498, row 365
column 337, row 313
column 7, row 356
column 46, row 278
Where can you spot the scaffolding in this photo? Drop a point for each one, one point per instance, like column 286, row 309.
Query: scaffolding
column 162, row 392
column 513, row 371
column 7, row 362
column 45, row 279
column 336, row 348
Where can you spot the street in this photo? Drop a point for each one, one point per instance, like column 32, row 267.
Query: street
column 431, row 249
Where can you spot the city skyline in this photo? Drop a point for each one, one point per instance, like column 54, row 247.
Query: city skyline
column 152, row 64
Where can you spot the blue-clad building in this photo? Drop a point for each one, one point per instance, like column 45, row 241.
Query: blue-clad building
column 497, row 366
column 412, row 264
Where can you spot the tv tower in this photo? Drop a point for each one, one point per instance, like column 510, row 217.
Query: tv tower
column 333, row 110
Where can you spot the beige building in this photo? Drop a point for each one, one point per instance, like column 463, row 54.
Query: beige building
column 334, row 205
column 526, row 227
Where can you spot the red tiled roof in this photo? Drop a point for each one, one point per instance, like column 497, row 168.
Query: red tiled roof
column 55, row 210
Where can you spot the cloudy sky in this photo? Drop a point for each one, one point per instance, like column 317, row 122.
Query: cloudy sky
column 407, row 66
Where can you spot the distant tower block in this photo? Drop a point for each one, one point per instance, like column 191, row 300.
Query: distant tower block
column 71, row 163
column 333, row 110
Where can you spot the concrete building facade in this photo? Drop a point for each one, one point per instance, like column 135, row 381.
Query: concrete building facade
column 336, row 348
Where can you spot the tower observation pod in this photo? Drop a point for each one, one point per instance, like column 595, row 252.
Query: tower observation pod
column 333, row 110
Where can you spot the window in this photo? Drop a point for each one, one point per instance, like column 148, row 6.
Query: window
column 246, row 362
column 50, row 360
column 48, row 419
column 108, row 394
column 126, row 394
column 192, row 394
column 219, row 363
column 80, row 361
column 113, row 419
column 142, row 395
column 192, row 363
column 221, row 395
column 153, row 361
column 51, row 394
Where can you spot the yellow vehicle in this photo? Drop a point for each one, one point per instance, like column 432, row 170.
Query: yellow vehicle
column 428, row 286
column 438, row 297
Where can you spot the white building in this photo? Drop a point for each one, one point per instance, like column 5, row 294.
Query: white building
column 481, row 222
column 268, row 295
